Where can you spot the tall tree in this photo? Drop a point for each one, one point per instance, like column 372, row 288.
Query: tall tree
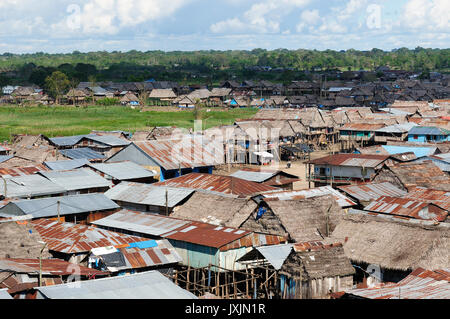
column 57, row 84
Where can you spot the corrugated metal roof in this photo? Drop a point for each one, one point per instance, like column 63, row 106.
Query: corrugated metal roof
column 66, row 165
column 22, row 171
column 437, row 197
column 146, row 285
column 77, row 179
column 76, row 238
column 123, row 170
column 406, row 207
column 216, row 184
column 143, row 223
column 341, row 199
column 107, row 140
column 428, row 130
column 68, row 140
column 257, row 177
column 4, row 158
column 74, row 204
column 162, row 254
column 184, row 153
column 206, row 234
column 30, row 186
column 358, row 160
column 397, row 128
column 275, row 254
column 4, row 294
column 420, row 284
column 80, row 153
column 370, row 191
column 148, row 194
column 55, row 267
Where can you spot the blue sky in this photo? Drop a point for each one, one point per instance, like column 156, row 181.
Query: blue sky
column 122, row 25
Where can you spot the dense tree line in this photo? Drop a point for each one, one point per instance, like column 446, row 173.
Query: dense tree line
column 210, row 66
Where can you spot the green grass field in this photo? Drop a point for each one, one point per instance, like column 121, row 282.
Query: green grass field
column 66, row 121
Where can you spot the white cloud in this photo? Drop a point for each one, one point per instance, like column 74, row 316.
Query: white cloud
column 110, row 16
column 262, row 17
column 427, row 14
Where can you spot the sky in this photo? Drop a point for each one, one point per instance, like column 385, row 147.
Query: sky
column 64, row 26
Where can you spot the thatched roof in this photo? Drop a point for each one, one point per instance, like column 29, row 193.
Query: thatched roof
column 394, row 243
column 216, row 210
column 316, row 260
column 20, row 241
column 129, row 97
column 162, row 94
column 306, row 219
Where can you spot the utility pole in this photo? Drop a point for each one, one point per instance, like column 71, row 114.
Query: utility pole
column 167, row 202
column 40, row 264
column 58, row 209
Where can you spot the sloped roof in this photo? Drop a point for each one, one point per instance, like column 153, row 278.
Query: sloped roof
column 359, row 160
column 123, row 170
column 146, row 285
column 76, row 238
column 148, row 194
column 407, row 207
column 371, row 191
column 184, row 153
column 216, row 184
column 77, row 179
column 48, row 207
column 215, row 210
column 420, row 284
column 392, row 242
column 313, row 260
column 82, row 153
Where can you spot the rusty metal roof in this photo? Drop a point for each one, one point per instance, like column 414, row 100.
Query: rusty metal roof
column 371, row 191
column 22, row 171
column 420, row 284
column 313, row 245
column 75, row 238
column 215, row 184
column 437, row 197
column 407, row 207
column 162, row 254
column 359, row 160
column 224, row 238
column 55, row 267
column 183, row 153
column 187, row 231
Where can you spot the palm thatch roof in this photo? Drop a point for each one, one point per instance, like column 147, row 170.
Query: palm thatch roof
column 216, row 210
column 394, row 243
column 129, row 97
column 300, row 220
column 20, row 240
column 162, row 94
column 317, row 260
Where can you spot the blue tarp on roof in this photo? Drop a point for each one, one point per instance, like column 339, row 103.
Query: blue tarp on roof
column 418, row 151
column 144, row 244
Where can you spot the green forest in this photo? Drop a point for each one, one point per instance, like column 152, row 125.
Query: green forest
column 211, row 67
